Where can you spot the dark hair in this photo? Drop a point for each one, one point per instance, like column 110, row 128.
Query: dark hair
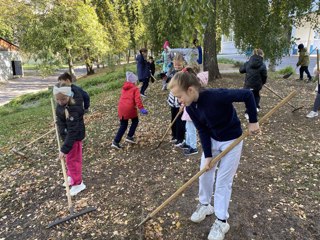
column 151, row 58
column 65, row 77
column 185, row 79
column 195, row 41
column 143, row 50
column 300, row 46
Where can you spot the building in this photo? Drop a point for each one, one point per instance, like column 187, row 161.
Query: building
column 10, row 60
column 305, row 34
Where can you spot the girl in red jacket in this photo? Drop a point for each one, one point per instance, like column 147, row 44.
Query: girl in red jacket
column 129, row 101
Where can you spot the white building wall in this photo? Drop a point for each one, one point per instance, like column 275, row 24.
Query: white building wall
column 6, row 58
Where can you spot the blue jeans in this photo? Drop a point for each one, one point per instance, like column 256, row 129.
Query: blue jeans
column 191, row 134
column 316, row 104
column 123, row 128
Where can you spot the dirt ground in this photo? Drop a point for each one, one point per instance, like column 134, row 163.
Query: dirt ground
column 275, row 192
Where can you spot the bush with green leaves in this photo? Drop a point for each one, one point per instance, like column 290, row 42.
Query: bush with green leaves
column 286, row 70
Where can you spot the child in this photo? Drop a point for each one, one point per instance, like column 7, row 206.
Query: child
column 127, row 109
column 79, row 93
column 191, row 131
column 215, row 118
column 316, row 104
column 256, row 76
column 178, row 128
column 304, row 61
column 152, row 67
column 143, row 70
column 72, row 131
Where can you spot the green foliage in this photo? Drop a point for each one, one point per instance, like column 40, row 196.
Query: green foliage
column 286, row 70
column 267, row 24
column 226, row 60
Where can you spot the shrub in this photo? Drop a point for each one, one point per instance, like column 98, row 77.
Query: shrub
column 286, row 70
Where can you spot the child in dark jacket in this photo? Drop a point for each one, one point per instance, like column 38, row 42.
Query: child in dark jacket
column 143, row 70
column 79, row 94
column 127, row 109
column 256, row 75
column 178, row 128
column 303, row 62
column 218, row 125
column 72, row 130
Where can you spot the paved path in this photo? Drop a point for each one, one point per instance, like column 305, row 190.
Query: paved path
column 30, row 84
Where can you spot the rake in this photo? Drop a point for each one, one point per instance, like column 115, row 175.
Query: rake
column 214, row 161
column 18, row 151
column 71, row 209
column 294, row 108
column 171, row 124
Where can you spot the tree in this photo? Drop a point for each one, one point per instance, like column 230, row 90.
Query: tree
column 267, row 24
column 65, row 30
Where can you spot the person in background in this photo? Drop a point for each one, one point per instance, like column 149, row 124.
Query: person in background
column 152, row 67
column 256, row 76
column 316, row 105
column 303, row 62
column 82, row 97
column 143, row 70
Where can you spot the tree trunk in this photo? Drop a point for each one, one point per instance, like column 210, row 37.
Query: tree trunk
column 210, row 46
column 128, row 56
column 70, row 64
column 272, row 65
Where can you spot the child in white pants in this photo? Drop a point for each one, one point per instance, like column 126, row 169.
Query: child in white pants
column 218, row 125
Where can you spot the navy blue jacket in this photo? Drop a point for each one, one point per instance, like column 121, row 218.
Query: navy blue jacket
column 84, row 94
column 215, row 117
column 143, row 68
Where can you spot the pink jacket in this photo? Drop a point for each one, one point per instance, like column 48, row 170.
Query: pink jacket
column 203, row 76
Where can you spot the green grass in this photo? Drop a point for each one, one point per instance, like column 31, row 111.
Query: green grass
column 226, row 60
column 286, row 70
column 27, row 115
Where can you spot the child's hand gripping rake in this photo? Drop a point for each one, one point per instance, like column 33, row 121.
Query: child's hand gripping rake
column 71, row 210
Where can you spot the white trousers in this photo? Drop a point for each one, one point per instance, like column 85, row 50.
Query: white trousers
column 227, row 169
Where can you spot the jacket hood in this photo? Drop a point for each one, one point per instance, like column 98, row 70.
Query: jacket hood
column 255, row 61
column 127, row 86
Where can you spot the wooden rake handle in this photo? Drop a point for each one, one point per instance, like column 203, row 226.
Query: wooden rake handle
column 278, row 95
column 33, row 141
column 63, row 166
column 171, row 124
column 216, row 159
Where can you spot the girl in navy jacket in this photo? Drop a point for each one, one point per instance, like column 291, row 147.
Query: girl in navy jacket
column 216, row 120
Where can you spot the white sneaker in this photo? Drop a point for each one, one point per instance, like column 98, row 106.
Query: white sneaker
column 69, row 182
column 312, row 114
column 246, row 115
column 75, row 189
column 258, row 110
column 201, row 212
column 218, row 230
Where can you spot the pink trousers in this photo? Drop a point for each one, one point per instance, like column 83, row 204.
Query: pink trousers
column 74, row 163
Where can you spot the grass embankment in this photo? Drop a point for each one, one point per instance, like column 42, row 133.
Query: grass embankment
column 26, row 116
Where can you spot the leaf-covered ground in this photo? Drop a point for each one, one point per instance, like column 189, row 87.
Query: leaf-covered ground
column 275, row 195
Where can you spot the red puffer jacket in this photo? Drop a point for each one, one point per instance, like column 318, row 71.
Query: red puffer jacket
column 129, row 101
